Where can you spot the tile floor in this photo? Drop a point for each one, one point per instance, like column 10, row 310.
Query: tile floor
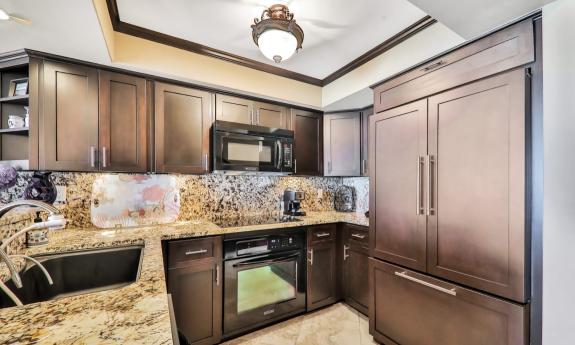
column 335, row 325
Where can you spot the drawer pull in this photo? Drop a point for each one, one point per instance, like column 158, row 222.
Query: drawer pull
column 323, row 234
column 419, row 281
column 360, row 236
column 195, row 252
column 433, row 66
column 310, row 259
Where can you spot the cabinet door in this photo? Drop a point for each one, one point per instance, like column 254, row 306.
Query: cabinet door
column 271, row 115
column 321, row 275
column 355, row 277
column 183, row 121
column 123, row 123
column 197, row 296
column 476, row 232
column 308, row 142
column 397, row 146
column 342, row 144
column 415, row 309
column 69, row 118
column 234, row 109
column 365, row 141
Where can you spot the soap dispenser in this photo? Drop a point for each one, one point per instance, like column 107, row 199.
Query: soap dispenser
column 37, row 237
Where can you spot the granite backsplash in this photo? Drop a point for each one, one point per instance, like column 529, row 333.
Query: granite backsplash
column 208, row 197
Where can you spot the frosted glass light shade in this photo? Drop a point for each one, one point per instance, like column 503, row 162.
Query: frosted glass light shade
column 4, row 15
column 277, row 45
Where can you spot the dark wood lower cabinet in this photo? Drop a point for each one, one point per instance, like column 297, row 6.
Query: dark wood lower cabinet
column 409, row 308
column 321, row 267
column 354, row 273
column 196, row 289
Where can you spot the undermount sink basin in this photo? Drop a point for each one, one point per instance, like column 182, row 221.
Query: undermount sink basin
column 76, row 273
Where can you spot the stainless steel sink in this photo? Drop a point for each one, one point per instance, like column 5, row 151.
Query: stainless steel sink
column 76, row 273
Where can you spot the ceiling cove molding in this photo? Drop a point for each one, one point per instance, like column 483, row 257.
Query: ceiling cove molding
column 147, row 34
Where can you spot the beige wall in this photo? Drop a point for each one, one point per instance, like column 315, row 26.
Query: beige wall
column 418, row 48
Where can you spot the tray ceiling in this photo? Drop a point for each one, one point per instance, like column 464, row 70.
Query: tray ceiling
column 336, row 31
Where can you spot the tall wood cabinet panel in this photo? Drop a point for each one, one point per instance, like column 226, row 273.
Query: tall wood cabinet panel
column 183, row 119
column 365, row 114
column 476, row 233
column 397, row 219
column 308, row 142
column 342, row 144
column 69, row 118
column 123, row 123
column 411, row 308
column 355, row 267
column 234, row 109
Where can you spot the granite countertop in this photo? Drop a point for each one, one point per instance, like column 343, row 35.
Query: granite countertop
column 134, row 314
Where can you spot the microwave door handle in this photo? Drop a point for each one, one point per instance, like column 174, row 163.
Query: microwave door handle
column 279, row 154
column 269, row 261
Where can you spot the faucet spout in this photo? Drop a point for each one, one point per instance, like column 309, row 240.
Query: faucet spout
column 13, row 271
column 46, row 207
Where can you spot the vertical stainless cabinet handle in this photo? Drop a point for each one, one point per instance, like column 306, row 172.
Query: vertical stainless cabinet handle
column 218, row 275
column 252, row 119
column 93, row 156
column 419, row 206
column 104, row 157
column 258, row 116
column 364, row 166
column 329, row 167
column 295, row 166
column 310, row 256
column 430, row 164
column 206, row 162
column 345, row 249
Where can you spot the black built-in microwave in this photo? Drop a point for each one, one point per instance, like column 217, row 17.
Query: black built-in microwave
column 245, row 148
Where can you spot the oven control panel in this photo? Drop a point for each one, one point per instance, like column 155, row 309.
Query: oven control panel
column 267, row 244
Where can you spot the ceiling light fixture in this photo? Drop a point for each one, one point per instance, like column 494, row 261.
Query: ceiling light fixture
column 4, row 15
column 277, row 34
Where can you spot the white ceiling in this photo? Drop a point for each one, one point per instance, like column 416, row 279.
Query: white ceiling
column 63, row 27
column 471, row 18
column 336, row 31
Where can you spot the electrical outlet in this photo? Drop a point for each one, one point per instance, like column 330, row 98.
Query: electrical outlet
column 320, row 193
column 61, row 196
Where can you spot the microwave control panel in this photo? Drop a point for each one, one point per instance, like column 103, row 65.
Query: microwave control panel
column 287, row 155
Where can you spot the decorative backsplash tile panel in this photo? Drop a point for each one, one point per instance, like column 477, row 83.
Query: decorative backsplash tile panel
column 124, row 200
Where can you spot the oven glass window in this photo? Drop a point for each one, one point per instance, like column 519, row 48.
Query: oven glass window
column 249, row 152
column 266, row 285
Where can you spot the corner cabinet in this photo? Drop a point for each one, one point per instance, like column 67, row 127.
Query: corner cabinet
column 355, row 280
column 308, row 142
column 342, row 144
column 183, row 118
column 92, row 120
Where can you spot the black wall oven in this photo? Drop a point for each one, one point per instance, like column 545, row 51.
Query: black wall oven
column 247, row 148
column 265, row 279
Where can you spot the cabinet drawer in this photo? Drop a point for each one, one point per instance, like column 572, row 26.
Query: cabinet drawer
column 181, row 253
column 496, row 53
column 321, row 233
column 412, row 308
column 357, row 235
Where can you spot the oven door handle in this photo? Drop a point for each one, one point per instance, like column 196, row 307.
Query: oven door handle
column 268, row 261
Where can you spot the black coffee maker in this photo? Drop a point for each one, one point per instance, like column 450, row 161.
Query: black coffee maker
column 292, row 202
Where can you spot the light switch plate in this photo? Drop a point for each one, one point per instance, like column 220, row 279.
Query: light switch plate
column 61, row 196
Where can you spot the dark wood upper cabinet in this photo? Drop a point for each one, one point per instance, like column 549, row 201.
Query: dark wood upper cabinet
column 365, row 114
column 476, row 232
column 68, row 118
column 499, row 52
column 234, row 109
column 321, row 266
column 271, row 115
column 123, row 123
column 196, row 288
column 412, row 308
column 183, row 120
column 342, row 144
column 308, row 142
column 397, row 218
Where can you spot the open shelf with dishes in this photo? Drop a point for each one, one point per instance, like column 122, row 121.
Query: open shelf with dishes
column 14, row 115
